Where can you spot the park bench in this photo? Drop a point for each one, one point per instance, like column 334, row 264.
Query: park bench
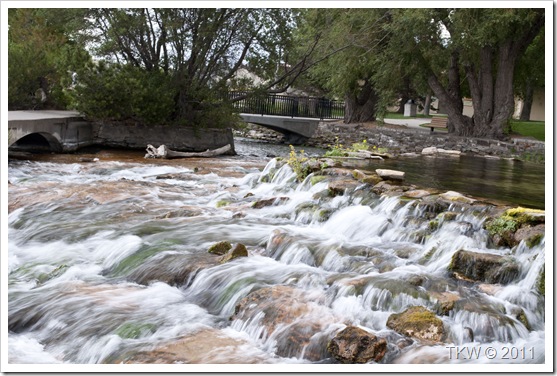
column 438, row 122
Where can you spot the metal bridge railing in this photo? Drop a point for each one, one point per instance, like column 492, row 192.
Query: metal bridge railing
column 287, row 105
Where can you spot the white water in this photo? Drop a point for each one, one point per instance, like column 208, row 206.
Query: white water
column 74, row 224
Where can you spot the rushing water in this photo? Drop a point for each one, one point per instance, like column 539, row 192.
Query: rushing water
column 83, row 238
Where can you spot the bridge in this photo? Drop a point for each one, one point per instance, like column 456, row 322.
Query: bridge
column 66, row 131
column 60, row 131
column 296, row 117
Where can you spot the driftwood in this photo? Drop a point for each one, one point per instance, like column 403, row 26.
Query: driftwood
column 164, row 152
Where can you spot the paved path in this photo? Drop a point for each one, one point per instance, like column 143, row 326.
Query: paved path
column 413, row 123
column 42, row 114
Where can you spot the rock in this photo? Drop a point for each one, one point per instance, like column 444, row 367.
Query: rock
column 238, row 251
column 220, row 248
column 455, row 153
column 295, row 320
column 429, row 151
column 269, row 202
column 172, row 269
column 417, row 322
column 366, row 178
column 355, row 345
column 205, row 346
column 390, row 174
column 485, row 267
column 340, row 187
column 456, row 197
column 445, row 301
column 416, row 193
column 489, row 289
column 531, row 235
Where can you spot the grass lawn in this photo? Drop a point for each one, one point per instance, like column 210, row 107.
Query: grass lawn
column 395, row 115
column 534, row 129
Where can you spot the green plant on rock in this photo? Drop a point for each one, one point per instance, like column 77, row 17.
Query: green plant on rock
column 298, row 163
column 336, row 150
column 501, row 225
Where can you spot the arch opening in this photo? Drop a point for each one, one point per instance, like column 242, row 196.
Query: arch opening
column 37, row 142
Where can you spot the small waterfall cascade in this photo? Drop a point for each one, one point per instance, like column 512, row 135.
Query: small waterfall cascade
column 108, row 263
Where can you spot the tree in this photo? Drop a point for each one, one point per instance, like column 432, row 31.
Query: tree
column 42, row 54
column 346, row 66
column 530, row 74
column 477, row 46
column 200, row 50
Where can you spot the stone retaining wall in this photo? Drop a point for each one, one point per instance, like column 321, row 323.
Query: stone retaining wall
column 176, row 138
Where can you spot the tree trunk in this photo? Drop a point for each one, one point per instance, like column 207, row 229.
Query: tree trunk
column 362, row 106
column 427, row 104
column 527, row 102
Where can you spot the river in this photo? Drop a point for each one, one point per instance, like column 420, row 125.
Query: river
column 108, row 263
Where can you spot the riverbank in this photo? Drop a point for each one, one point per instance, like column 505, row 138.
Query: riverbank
column 402, row 140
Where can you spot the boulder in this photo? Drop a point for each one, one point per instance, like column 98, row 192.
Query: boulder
column 355, row 345
column 238, row 251
column 390, row 174
column 417, row 322
column 417, row 193
column 484, row 267
column 220, row 248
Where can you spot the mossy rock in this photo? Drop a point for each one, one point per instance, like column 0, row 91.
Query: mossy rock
column 418, row 322
column 484, row 267
column 238, row 251
column 317, row 179
column 541, row 282
column 220, row 248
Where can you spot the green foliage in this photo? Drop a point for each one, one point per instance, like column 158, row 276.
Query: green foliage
column 43, row 51
column 298, row 163
column 116, row 92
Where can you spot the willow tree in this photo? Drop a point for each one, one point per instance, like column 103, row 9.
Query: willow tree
column 344, row 63
column 478, row 48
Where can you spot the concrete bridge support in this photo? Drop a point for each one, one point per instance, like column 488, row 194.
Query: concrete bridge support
column 296, row 130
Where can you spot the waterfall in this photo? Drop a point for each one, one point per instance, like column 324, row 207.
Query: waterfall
column 108, row 263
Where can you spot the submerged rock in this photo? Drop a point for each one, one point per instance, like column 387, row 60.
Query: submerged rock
column 484, row 267
column 294, row 319
column 417, row 322
column 355, row 345
column 205, row 346
column 173, row 269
